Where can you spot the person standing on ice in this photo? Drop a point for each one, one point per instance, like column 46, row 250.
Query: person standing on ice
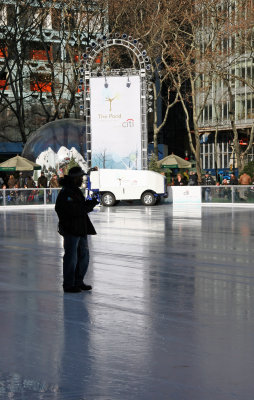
column 74, row 225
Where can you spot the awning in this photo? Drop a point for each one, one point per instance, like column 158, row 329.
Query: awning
column 18, row 163
column 173, row 161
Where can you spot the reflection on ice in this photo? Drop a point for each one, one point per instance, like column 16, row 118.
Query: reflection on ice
column 170, row 315
column 14, row 386
column 190, row 211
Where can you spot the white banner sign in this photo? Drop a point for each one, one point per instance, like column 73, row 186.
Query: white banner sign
column 186, row 194
column 115, row 122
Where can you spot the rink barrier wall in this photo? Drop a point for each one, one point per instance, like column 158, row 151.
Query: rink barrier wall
column 238, row 195
column 234, row 195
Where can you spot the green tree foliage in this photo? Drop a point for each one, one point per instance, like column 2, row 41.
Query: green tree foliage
column 154, row 167
column 72, row 163
column 153, row 164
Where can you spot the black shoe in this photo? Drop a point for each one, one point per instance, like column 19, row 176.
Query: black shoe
column 85, row 287
column 73, row 289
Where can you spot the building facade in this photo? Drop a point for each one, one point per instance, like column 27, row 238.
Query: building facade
column 231, row 89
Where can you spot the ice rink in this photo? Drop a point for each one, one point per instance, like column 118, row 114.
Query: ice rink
column 170, row 317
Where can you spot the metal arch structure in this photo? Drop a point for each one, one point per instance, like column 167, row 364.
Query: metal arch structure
column 86, row 72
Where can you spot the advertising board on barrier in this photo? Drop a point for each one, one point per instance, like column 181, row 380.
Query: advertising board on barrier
column 184, row 195
column 116, row 122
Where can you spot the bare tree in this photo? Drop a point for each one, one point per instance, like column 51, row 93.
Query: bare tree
column 201, row 57
column 145, row 22
column 188, row 43
column 75, row 24
column 41, row 46
column 189, row 65
column 16, row 26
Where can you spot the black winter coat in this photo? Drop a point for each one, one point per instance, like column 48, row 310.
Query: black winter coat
column 208, row 180
column 193, row 180
column 72, row 208
column 233, row 181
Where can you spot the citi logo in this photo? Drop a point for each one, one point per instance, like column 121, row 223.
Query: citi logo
column 129, row 123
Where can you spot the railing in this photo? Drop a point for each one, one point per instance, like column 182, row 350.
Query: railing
column 28, row 197
column 231, row 195
column 237, row 194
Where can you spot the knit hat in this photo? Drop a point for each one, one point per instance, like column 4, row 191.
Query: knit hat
column 76, row 172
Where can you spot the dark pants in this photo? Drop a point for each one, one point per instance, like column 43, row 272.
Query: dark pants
column 75, row 260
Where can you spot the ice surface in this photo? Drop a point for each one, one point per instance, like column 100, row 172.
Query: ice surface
column 170, row 317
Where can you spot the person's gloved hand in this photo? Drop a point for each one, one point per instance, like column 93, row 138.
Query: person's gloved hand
column 96, row 195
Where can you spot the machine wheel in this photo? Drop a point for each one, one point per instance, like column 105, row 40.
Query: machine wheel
column 148, row 199
column 108, row 199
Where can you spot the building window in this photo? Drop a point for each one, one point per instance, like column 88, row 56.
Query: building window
column 233, row 78
column 11, row 15
column 240, row 107
column 250, row 106
column 45, row 18
column 233, row 43
column 225, row 110
column 40, row 83
column 56, row 19
column 208, row 112
column 39, row 52
column 3, row 51
column 224, row 152
column 3, row 15
column 3, row 81
column 211, row 157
